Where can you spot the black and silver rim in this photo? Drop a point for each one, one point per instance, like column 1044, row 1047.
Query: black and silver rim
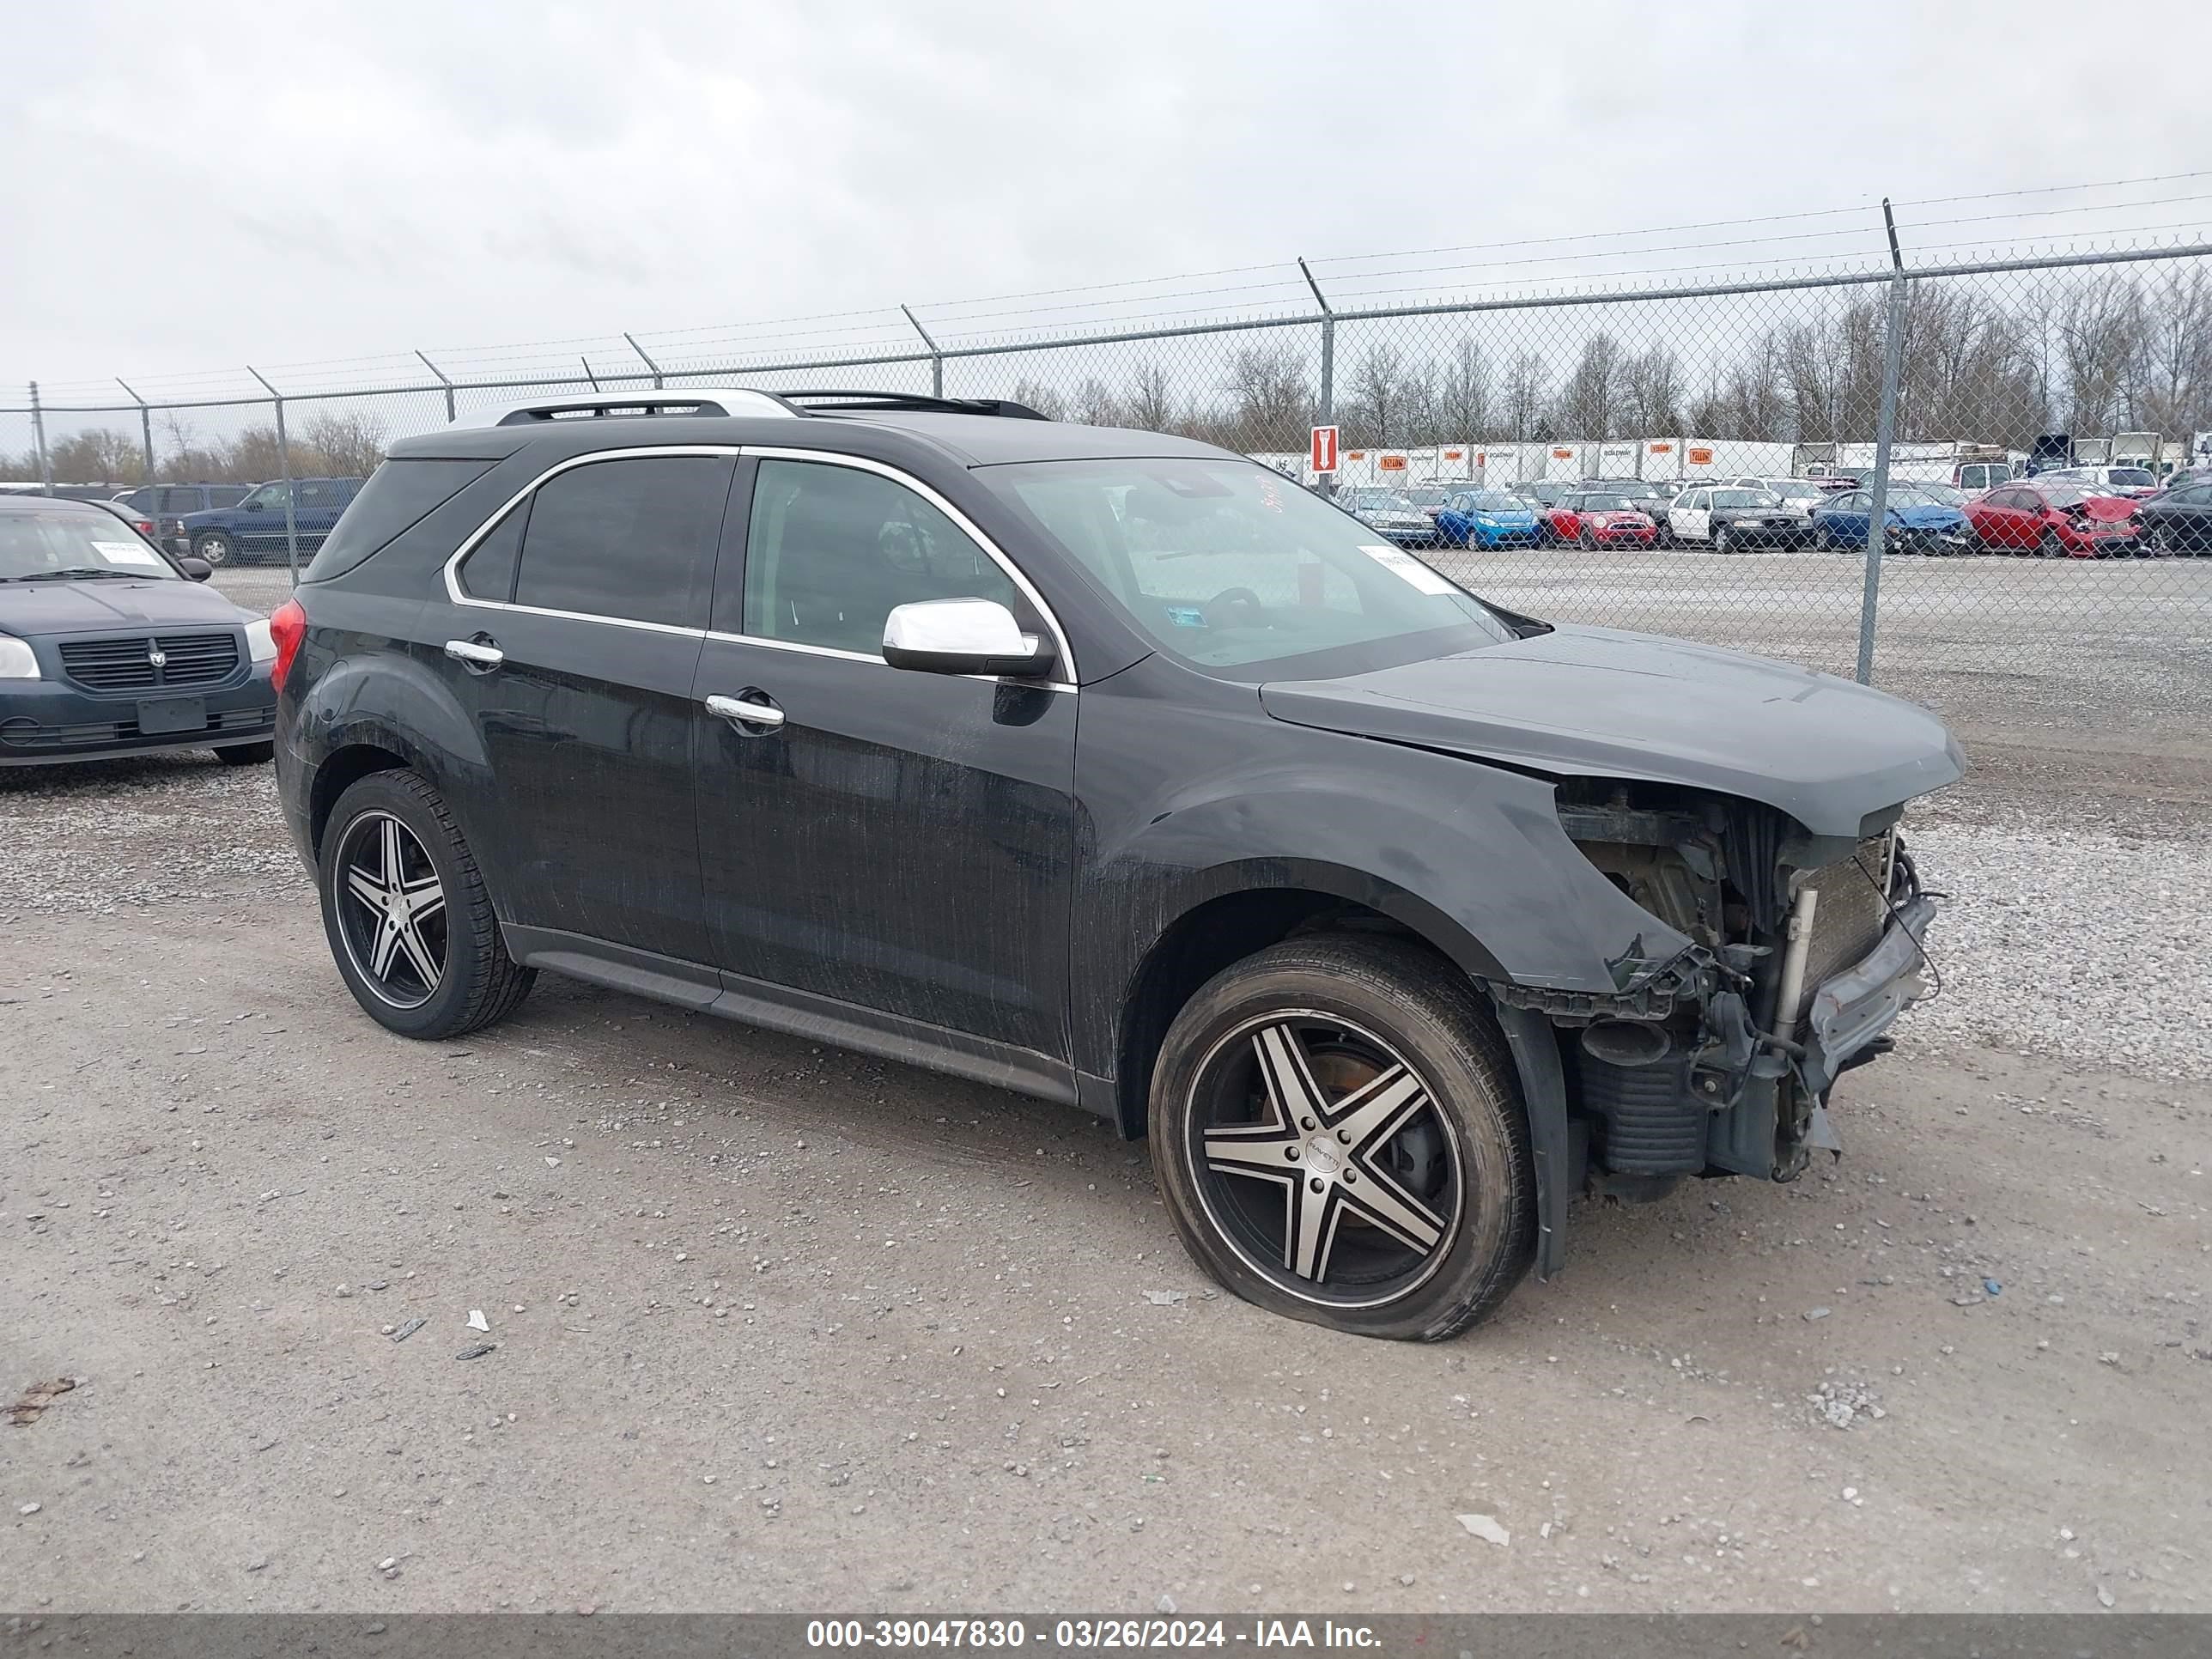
column 1322, row 1160
column 390, row 910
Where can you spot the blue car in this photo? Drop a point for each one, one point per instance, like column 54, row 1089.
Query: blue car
column 1921, row 519
column 1486, row 518
column 255, row 528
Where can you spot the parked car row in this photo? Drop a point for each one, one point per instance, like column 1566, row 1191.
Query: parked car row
column 238, row 524
column 2073, row 512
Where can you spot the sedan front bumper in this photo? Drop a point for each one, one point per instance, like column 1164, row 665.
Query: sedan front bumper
column 1855, row 1007
column 49, row 722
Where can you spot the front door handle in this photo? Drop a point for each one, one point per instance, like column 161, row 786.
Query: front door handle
column 749, row 707
column 476, row 654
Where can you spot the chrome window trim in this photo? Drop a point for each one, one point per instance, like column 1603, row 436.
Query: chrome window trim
column 968, row 527
column 451, row 569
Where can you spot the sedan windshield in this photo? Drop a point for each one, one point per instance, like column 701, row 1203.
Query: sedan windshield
column 1743, row 498
column 1376, row 500
column 2131, row 477
column 50, row 545
column 1226, row 565
column 1495, row 500
column 1605, row 504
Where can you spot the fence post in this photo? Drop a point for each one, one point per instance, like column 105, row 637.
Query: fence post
column 1893, row 360
column 657, row 381
column 38, row 438
column 284, row 471
column 145, row 427
column 936, row 357
column 445, row 383
column 1327, row 364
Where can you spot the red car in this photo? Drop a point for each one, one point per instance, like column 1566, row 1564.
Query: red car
column 1599, row 518
column 2054, row 520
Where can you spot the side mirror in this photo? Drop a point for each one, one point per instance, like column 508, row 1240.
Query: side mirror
column 196, row 569
column 962, row 636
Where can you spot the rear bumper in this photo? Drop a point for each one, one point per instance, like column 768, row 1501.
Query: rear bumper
column 48, row 723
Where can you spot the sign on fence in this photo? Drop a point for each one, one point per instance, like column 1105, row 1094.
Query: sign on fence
column 1324, row 449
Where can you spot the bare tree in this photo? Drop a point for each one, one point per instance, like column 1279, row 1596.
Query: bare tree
column 2176, row 394
column 1650, row 394
column 1523, row 414
column 1271, row 405
column 337, row 443
column 1378, row 397
column 1589, row 403
column 1040, row 397
column 96, row 455
column 1464, row 395
column 1094, row 404
column 1150, row 405
column 2101, row 329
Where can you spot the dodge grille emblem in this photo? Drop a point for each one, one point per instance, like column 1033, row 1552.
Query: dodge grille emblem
column 155, row 655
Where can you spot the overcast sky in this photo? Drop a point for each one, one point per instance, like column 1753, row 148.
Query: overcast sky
column 191, row 186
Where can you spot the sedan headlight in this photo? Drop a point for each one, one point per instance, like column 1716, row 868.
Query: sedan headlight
column 260, row 645
column 16, row 660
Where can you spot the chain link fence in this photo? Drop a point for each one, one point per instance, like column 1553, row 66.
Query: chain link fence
column 1986, row 470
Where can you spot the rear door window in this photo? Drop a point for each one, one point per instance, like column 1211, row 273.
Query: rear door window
column 631, row 539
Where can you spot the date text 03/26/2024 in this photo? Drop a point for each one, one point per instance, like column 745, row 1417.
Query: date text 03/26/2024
column 1085, row 1634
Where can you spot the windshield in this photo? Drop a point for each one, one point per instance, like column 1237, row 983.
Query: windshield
column 1226, row 565
column 1926, row 494
column 41, row 545
column 1797, row 489
column 1743, row 498
column 2130, row 475
column 1496, row 500
column 1606, row 504
column 1424, row 497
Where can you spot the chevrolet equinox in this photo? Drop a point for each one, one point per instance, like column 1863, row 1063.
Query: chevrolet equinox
column 1114, row 768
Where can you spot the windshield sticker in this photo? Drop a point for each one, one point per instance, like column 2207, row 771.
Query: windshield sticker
column 1408, row 568
column 1186, row 615
column 129, row 553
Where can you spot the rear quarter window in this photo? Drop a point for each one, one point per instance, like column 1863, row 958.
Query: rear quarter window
column 398, row 495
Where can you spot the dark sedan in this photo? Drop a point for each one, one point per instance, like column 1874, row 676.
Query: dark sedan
column 109, row 647
column 2180, row 520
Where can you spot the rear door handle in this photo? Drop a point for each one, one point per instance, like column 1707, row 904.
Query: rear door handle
column 476, row 654
column 751, row 708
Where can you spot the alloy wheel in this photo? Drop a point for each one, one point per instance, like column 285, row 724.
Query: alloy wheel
column 390, row 910
column 1320, row 1157
column 215, row 549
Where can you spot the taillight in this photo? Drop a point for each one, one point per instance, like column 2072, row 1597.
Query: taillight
column 288, row 626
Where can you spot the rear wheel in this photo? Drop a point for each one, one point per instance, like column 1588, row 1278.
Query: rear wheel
column 409, row 923
column 1339, row 1138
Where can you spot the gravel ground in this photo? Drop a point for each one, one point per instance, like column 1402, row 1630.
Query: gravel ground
column 776, row 1327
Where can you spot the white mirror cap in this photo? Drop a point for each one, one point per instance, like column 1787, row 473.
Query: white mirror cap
column 958, row 628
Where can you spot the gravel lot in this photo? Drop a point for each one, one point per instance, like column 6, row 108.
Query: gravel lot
column 775, row 1326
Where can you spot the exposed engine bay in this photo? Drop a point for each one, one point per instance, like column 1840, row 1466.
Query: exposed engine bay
column 1719, row 1061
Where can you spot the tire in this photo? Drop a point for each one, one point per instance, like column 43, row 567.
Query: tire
column 1722, row 541
column 1588, row 538
column 475, row 981
column 216, row 548
column 1453, row 1153
column 247, row 754
column 1666, row 536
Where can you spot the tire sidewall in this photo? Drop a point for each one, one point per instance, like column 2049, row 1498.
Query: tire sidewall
column 394, row 792
column 225, row 550
column 1494, row 1236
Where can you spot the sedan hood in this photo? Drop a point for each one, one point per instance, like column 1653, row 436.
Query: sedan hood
column 105, row 607
column 1601, row 702
column 2105, row 509
column 1928, row 518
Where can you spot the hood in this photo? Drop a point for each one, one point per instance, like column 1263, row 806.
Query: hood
column 1613, row 516
column 105, row 607
column 1730, row 514
column 1601, row 702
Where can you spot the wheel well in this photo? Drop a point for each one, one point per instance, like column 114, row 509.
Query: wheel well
column 1201, row 945
column 346, row 767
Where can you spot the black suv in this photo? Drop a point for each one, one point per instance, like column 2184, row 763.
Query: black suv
column 1114, row 768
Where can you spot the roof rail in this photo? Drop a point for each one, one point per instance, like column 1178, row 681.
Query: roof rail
column 837, row 400
column 671, row 400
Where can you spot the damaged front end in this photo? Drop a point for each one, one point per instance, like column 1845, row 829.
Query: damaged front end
column 1719, row 1060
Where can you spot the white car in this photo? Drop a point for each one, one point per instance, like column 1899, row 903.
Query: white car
column 2127, row 482
column 1798, row 495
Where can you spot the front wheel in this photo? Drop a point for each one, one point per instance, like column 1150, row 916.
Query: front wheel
column 216, row 549
column 405, row 911
column 1339, row 1138
column 2049, row 546
column 1723, row 541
